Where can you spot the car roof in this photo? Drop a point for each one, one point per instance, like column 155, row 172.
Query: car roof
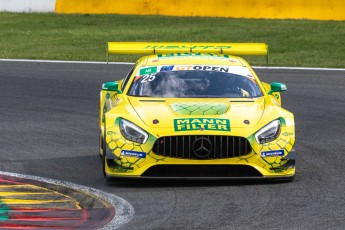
column 192, row 59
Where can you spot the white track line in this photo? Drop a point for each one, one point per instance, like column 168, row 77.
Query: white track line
column 298, row 68
column 68, row 62
column 131, row 63
column 124, row 210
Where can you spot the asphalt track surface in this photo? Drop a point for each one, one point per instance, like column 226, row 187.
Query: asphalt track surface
column 49, row 128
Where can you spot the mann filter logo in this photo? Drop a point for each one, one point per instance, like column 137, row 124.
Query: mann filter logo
column 201, row 124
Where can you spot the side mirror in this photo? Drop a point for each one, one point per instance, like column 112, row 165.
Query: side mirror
column 111, row 86
column 277, row 87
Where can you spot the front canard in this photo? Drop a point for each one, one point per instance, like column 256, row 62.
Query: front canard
column 187, row 124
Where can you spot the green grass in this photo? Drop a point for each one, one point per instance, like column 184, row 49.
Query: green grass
column 84, row 37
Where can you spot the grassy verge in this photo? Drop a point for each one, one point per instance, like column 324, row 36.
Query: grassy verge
column 84, row 37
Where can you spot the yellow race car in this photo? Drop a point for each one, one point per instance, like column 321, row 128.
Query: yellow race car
column 193, row 110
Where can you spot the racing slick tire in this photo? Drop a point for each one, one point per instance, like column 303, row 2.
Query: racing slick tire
column 103, row 154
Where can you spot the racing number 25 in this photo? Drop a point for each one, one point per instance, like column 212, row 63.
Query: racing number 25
column 148, row 77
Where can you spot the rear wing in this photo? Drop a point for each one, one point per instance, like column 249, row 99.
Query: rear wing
column 149, row 48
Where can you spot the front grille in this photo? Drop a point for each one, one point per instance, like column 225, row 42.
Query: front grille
column 202, row 147
column 225, row 171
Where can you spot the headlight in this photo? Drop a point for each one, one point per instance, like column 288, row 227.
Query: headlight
column 132, row 132
column 268, row 133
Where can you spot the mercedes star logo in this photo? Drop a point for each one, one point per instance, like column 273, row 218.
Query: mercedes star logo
column 202, row 147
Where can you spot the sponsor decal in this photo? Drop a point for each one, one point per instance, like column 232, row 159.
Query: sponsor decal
column 239, row 70
column 148, row 73
column 183, row 67
column 188, row 124
column 129, row 153
column 187, row 55
column 167, row 47
column 112, row 133
column 287, row 134
column 212, row 68
column 170, row 47
column 273, row 153
column 148, row 70
column 167, row 68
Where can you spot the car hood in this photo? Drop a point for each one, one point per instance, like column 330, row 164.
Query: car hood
column 240, row 112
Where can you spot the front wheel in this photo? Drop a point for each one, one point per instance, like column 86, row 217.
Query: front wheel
column 100, row 145
column 103, row 167
column 103, row 153
column 104, row 159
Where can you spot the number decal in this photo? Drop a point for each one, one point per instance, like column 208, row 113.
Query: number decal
column 148, row 77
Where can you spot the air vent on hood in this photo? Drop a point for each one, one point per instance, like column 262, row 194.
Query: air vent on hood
column 200, row 108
